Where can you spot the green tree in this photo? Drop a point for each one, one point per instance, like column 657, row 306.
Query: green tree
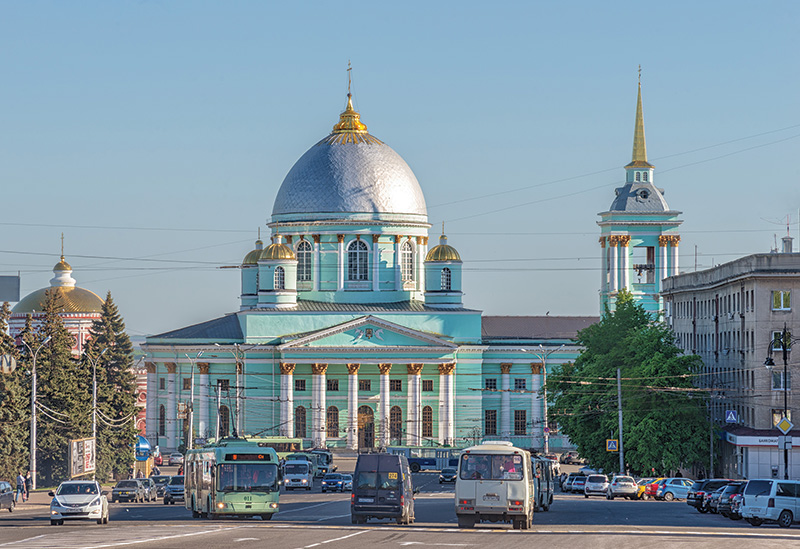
column 14, row 407
column 111, row 349
column 664, row 420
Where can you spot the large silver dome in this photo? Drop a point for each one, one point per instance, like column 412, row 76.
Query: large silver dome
column 350, row 171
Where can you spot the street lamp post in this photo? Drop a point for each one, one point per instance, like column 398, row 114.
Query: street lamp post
column 94, row 398
column 33, row 408
column 239, row 359
column 190, row 434
column 542, row 355
column 785, row 341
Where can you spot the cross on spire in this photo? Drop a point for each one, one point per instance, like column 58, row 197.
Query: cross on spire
column 349, row 77
column 62, row 245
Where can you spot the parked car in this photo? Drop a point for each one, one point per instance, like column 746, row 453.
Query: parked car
column 128, row 490
column 448, row 475
column 7, row 496
column 161, row 482
column 175, row 458
column 712, row 499
column 736, row 505
column 174, row 490
column 150, row 489
column 596, row 485
column 622, row 486
column 566, row 486
column 725, row 502
column 347, row 483
column 332, row 482
column 652, row 487
column 78, row 500
column 641, row 486
column 578, row 484
column 696, row 495
column 570, row 457
column 771, row 500
column 674, row 488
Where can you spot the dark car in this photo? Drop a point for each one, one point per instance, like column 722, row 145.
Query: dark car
column 332, row 482
column 161, row 484
column 174, row 490
column 712, row 499
column 382, row 489
column 448, row 475
column 7, row 496
column 570, row 457
column 725, row 503
column 128, row 490
column 697, row 493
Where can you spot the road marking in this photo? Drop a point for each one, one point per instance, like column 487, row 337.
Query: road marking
column 246, row 539
column 78, row 539
column 309, row 507
column 335, row 539
column 436, row 544
column 329, row 518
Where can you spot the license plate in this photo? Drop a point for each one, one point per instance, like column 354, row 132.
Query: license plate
column 366, row 500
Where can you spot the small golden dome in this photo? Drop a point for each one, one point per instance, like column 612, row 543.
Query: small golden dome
column 252, row 257
column 350, row 120
column 278, row 250
column 442, row 252
column 62, row 265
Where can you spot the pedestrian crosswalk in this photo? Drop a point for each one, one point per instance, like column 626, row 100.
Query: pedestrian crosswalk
column 101, row 537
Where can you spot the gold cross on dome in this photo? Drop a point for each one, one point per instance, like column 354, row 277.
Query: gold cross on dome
column 349, row 74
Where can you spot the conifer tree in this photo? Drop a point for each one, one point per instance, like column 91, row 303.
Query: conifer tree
column 14, row 407
column 116, row 391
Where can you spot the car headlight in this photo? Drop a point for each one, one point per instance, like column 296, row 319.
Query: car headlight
column 304, row 481
column 95, row 502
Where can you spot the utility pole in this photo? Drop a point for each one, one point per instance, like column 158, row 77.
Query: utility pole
column 619, row 413
column 94, row 401
column 33, row 409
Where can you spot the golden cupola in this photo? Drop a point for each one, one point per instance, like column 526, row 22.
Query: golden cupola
column 252, row 257
column 443, row 252
column 277, row 250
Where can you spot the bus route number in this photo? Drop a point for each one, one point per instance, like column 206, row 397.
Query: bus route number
column 393, row 476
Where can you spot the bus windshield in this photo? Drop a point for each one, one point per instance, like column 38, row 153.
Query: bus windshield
column 247, row 477
column 295, row 469
column 491, row 467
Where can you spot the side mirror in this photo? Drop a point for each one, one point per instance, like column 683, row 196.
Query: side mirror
column 335, row 467
column 103, row 493
column 415, row 491
column 51, row 494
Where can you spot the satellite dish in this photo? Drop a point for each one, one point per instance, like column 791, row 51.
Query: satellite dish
column 7, row 364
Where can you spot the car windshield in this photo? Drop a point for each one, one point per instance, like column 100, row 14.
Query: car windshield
column 161, row 479
column 126, row 484
column 347, row 477
column 597, row 478
column 448, row 471
column 296, row 469
column 491, row 466
column 372, row 480
column 333, row 476
column 176, row 481
column 75, row 489
column 247, row 477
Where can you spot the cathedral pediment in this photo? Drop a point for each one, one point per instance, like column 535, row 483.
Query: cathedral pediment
column 366, row 332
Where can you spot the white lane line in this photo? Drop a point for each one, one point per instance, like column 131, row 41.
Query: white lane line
column 436, row 544
column 246, row 539
column 335, row 539
column 311, row 506
column 329, row 518
column 22, row 540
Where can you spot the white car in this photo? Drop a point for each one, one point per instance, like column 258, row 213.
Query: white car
column 622, row 486
column 78, row 500
column 596, row 485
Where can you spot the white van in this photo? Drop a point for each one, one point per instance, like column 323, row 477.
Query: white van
column 298, row 473
column 495, row 483
column 771, row 500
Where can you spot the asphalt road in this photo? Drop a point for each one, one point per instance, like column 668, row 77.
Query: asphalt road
column 316, row 520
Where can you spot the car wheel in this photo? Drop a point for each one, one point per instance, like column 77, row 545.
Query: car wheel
column 166, row 501
column 785, row 519
column 415, row 467
column 11, row 507
column 266, row 516
column 669, row 496
column 53, row 523
column 586, row 496
column 100, row 520
column 755, row 521
column 703, row 509
column 105, row 521
column 113, row 499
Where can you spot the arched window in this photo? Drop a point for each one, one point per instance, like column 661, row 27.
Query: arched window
column 162, row 421
column 396, row 424
column 644, row 176
column 357, row 261
column 407, row 261
column 224, row 421
column 280, row 279
column 300, row 422
column 304, row 260
column 447, row 279
column 638, row 176
column 333, row 422
column 427, row 421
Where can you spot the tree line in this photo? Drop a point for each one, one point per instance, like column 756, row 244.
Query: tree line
column 64, row 394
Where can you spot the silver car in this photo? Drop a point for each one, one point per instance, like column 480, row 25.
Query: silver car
column 78, row 500
column 622, row 486
column 596, row 485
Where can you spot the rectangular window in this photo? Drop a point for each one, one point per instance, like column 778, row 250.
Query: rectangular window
column 223, row 384
column 395, row 385
column 364, row 385
column 490, row 384
column 427, row 385
column 187, row 384
column 520, row 384
column 490, row 422
column 162, row 383
column 332, row 384
column 778, row 414
column 777, row 338
column 300, row 385
column 777, row 381
column 781, row 300
column 520, row 422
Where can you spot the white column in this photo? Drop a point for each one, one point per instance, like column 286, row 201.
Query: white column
column 172, row 407
column 317, row 267
column 603, row 266
column 151, row 409
column 662, row 260
column 287, row 400
column 505, row 400
column 352, row 406
column 340, row 268
column 239, row 395
column 414, row 407
column 376, row 260
column 203, row 428
column 318, row 405
column 674, row 250
column 537, row 423
column 625, row 256
column 422, row 251
column 614, row 267
column 383, row 406
column 398, row 283
column 447, row 396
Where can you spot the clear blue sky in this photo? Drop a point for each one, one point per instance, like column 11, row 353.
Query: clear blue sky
column 155, row 134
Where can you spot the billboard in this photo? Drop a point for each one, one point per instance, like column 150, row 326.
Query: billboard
column 9, row 288
column 81, row 457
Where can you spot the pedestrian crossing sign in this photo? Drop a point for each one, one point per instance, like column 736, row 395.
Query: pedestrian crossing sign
column 731, row 416
column 612, row 445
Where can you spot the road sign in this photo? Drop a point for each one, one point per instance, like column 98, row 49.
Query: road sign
column 731, row 416
column 785, row 442
column 547, row 429
column 7, row 364
column 784, row 425
column 612, row 445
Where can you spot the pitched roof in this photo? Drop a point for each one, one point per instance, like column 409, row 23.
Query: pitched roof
column 226, row 327
column 534, row 327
